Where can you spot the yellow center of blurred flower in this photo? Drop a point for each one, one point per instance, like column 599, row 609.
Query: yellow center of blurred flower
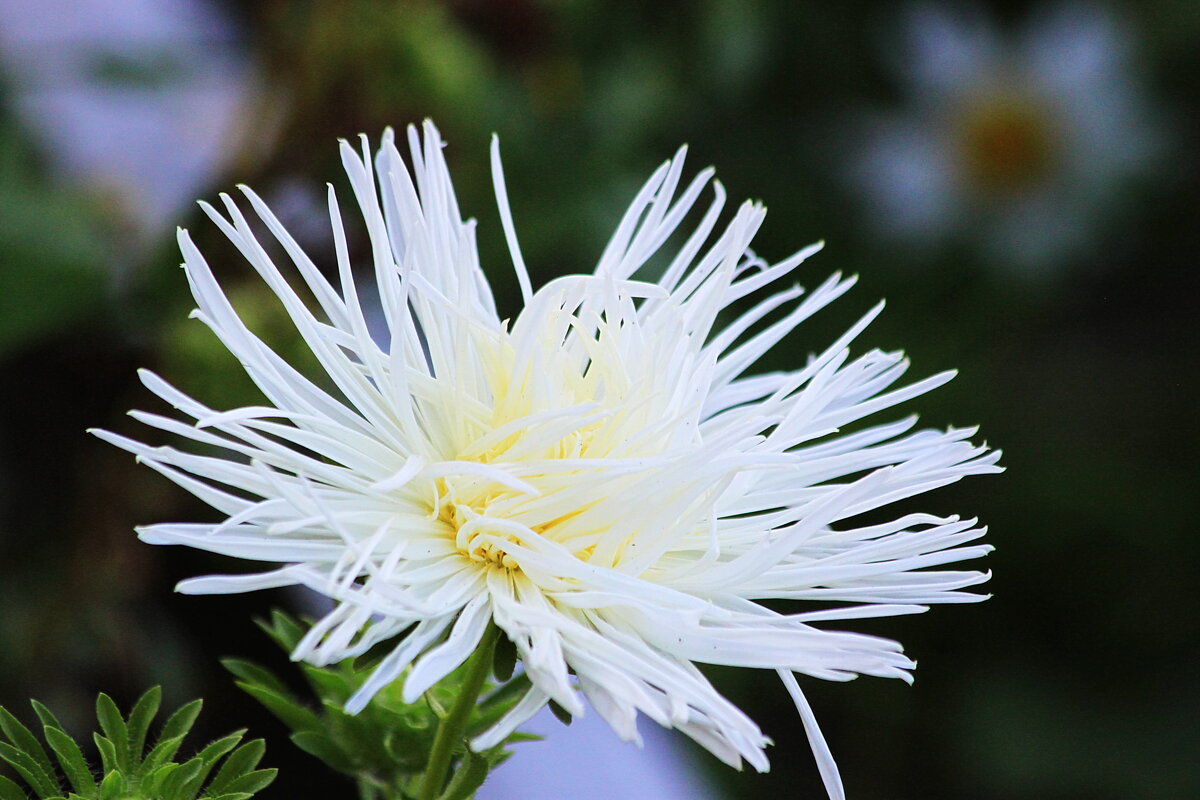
column 1006, row 143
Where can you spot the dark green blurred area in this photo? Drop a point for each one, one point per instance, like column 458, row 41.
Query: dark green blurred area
column 1076, row 680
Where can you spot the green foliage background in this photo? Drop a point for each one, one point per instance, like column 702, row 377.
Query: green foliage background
column 1077, row 680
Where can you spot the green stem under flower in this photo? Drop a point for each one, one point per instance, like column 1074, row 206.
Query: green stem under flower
column 453, row 725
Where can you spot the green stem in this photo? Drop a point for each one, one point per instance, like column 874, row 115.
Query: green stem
column 450, row 730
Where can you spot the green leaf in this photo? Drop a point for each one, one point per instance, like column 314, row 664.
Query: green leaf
column 74, row 765
column 509, row 694
column 177, row 783
column 253, row 674
column 153, row 779
column 321, row 745
column 504, row 659
column 114, row 728
column 329, row 685
column 179, row 723
column 46, row 715
column 108, row 753
column 161, row 753
column 10, row 790
column 213, row 751
column 211, row 754
column 293, row 714
column 112, row 787
column 27, row 766
column 138, row 722
column 283, row 629
column 520, row 736
column 467, row 778
column 240, row 762
column 497, row 704
column 24, row 739
column 252, row 782
column 561, row 713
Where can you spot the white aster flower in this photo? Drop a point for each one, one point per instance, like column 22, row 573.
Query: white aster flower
column 600, row 478
column 1018, row 145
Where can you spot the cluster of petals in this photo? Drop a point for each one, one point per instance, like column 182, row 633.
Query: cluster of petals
column 604, row 478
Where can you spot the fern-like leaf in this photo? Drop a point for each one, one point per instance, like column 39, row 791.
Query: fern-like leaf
column 125, row 773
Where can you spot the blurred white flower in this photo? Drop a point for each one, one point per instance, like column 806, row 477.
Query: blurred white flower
column 599, row 478
column 137, row 100
column 1018, row 144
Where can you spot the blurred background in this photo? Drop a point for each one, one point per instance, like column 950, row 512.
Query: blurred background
column 1018, row 179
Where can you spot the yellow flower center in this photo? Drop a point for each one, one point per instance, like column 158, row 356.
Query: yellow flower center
column 1006, row 143
column 540, row 419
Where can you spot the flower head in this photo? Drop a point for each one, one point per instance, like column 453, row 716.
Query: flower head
column 601, row 478
column 1019, row 145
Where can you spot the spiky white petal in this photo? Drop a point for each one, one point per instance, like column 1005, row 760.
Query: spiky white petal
column 603, row 478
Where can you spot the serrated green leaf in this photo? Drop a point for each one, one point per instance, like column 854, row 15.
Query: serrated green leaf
column 290, row 712
column 74, row 765
column 467, row 778
column 138, row 722
column 255, row 675
column 24, row 740
column 113, row 725
column 504, row 659
column 189, row 789
column 320, row 745
column 153, row 779
column 213, row 751
column 181, row 779
column 240, row 762
column 179, row 723
column 561, row 713
column 10, row 790
column 108, row 753
column 283, row 629
column 161, row 753
column 113, row 786
column 41, row 781
column 252, row 782
column 46, row 715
